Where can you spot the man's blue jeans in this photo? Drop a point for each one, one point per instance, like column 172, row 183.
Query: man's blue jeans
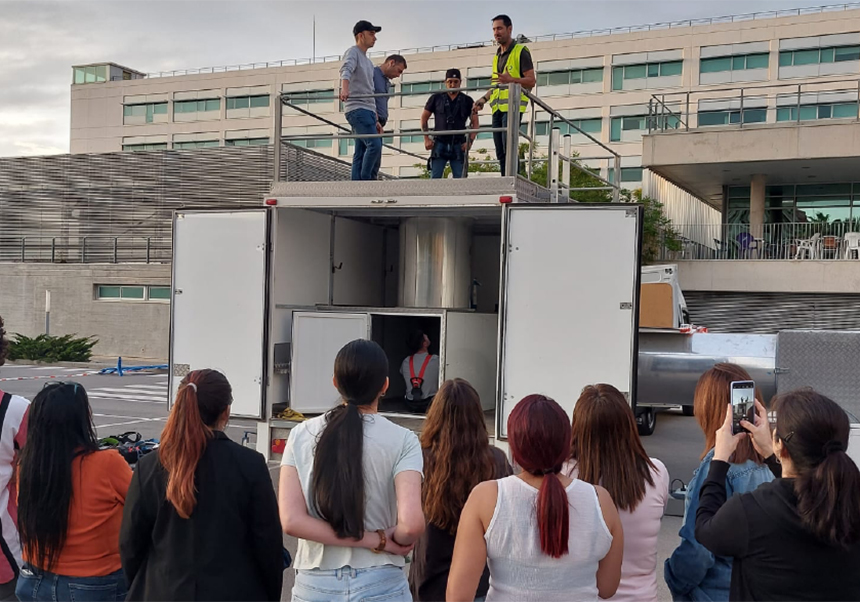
column 443, row 153
column 368, row 151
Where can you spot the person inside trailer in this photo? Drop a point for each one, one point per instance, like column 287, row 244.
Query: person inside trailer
column 420, row 370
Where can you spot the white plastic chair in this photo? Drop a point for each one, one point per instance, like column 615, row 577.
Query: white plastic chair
column 808, row 246
column 852, row 244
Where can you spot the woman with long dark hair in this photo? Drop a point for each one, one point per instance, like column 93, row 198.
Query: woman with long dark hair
column 351, row 490
column 201, row 520
column 70, row 503
column 693, row 572
column 797, row 538
column 544, row 535
column 605, row 450
column 457, row 456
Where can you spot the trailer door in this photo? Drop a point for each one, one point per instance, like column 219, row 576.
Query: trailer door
column 569, row 302
column 219, row 301
column 317, row 337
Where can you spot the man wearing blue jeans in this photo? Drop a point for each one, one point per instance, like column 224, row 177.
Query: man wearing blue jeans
column 356, row 80
column 449, row 110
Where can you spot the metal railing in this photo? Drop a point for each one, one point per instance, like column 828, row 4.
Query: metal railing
column 86, row 249
column 558, row 155
column 781, row 241
column 771, row 14
column 683, row 110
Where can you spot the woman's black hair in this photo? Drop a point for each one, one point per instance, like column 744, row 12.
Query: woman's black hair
column 60, row 429
column 4, row 344
column 415, row 341
column 814, row 431
column 360, row 370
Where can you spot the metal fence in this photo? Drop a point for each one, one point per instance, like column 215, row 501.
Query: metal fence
column 590, row 33
column 86, row 249
column 820, row 241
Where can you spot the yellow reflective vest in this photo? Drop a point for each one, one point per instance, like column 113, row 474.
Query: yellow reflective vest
column 499, row 96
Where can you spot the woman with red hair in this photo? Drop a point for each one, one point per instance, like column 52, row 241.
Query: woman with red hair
column 543, row 535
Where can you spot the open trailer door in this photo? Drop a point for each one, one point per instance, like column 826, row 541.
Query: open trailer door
column 569, row 302
column 218, row 304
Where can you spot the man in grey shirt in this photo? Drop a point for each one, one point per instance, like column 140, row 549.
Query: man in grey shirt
column 356, row 79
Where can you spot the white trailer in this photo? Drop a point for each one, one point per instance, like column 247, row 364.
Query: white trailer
column 268, row 295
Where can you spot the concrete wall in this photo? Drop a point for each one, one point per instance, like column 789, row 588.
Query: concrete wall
column 123, row 328
column 771, row 276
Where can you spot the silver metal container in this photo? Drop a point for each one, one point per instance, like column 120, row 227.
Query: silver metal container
column 435, row 262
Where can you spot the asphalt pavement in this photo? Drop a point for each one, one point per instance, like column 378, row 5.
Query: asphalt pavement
column 138, row 401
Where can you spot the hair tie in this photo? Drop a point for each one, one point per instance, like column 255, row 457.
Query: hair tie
column 832, row 446
column 193, row 386
column 546, row 471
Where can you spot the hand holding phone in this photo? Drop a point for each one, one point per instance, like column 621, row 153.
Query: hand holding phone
column 743, row 404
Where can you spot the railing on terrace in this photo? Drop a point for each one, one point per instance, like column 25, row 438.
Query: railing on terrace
column 770, row 14
column 806, row 240
column 85, row 249
column 755, row 104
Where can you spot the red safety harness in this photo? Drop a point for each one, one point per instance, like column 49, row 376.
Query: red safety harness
column 417, row 381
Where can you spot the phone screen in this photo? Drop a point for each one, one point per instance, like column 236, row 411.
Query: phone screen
column 743, row 404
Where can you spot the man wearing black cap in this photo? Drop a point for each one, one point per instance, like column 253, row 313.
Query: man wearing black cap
column 356, row 80
column 450, row 110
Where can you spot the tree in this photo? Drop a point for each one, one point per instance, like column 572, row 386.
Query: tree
column 657, row 230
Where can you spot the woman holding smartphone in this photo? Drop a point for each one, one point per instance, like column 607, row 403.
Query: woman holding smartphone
column 693, row 572
column 797, row 538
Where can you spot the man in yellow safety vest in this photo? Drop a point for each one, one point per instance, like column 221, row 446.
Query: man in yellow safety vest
column 512, row 64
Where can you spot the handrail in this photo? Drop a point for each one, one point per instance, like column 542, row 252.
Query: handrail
column 771, row 14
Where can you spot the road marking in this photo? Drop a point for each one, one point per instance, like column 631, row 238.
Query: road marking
column 126, row 390
column 158, row 388
column 141, row 421
column 118, row 397
column 120, row 416
column 164, row 376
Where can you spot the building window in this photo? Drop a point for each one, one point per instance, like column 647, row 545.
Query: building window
column 734, row 63
column 826, row 207
column 422, row 87
column 726, row 117
column 480, row 82
column 117, row 292
column 844, row 110
column 147, row 110
column 415, row 136
column 628, row 174
column 90, row 75
column 814, row 56
column 152, row 146
column 196, row 106
column 346, row 146
column 245, row 102
column 247, row 142
column 574, row 76
column 643, row 71
column 619, row 125
column 320, row 143
column 590, row 126
column 311, row 97
column 195, row 144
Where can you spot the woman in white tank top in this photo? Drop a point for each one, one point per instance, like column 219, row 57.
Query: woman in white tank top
column 544, row 536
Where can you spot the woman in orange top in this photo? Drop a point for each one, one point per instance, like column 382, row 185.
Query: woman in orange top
column 70, row 503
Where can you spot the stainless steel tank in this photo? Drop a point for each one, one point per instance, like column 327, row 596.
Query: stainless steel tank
column 435, row 262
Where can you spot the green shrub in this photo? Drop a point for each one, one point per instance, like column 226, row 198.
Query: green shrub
column 66, row 348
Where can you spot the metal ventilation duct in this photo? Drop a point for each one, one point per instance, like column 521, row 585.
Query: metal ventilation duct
column 435, row 262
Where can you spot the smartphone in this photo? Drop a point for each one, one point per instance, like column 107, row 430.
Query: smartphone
column 743, row 404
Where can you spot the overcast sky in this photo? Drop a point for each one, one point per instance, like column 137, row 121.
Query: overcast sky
column 40, row 41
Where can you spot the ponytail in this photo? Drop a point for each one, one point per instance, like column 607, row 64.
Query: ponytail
column 338, row 475
column 201, row 400
column 539, row 436
column 814, row 432
column 553, row 517
column 828, row 499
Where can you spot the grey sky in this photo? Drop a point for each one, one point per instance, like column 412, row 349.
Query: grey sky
column 40, row 41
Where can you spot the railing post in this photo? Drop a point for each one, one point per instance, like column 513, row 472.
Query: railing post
column 552, row 172
column 513, row 134
column 532, row 130
column 549, row 144
column 651, row 116
column 616, row 180
column 115, row 244
column 858, row 99
column 276, row 136
column 798, row 103
column 148, row 247
column 687, row 118
column 742, row 108
column 53, row 250
column 565, row 169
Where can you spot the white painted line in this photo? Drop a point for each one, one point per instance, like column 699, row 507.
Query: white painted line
column 107, row 426
column 141, row 394
column 121, row 416
column 116, row 397
column 164, row 376
column 47, row 368
column 160, row 388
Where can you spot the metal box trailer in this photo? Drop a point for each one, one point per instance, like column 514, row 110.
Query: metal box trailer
column 521, row 296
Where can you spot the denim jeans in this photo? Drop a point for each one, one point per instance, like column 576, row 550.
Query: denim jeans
column 35, row 585
column 500, row 139
column 376, row 584
column 443, row 153
column 368, row 151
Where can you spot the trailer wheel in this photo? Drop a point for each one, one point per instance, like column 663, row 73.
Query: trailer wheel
column 646, row 422
column 687, row 410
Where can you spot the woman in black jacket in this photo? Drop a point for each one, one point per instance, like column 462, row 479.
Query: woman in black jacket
column 201, row 518
column 798, row 537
